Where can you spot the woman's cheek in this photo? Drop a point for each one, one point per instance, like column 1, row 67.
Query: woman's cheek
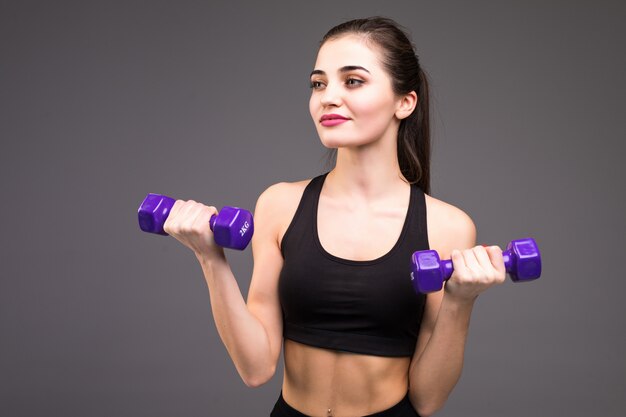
column 313, row 108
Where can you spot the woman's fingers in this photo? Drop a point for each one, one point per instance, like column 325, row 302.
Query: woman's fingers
column 202, row 218
column 188, row 219
column 497, row 260
column 171, row 221
column 484, row 270
column 477, row 268
column 188, row 214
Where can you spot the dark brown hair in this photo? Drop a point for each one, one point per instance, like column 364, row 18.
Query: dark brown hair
column 402, row 64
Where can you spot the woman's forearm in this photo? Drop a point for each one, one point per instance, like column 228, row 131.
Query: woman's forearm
column 435, row 373
column 244, row 336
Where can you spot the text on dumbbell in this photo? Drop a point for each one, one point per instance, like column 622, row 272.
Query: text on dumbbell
column 244, row 228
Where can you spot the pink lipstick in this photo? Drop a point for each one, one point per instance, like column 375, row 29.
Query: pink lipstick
column 329, row 120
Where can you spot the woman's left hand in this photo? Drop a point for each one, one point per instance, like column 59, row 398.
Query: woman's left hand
column 475, row 270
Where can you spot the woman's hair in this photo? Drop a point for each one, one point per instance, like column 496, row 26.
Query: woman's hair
column 402, row 64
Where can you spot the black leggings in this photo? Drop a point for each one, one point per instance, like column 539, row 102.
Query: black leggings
column 402, row 409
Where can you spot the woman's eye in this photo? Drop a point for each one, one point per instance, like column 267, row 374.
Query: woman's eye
column 316, row 85
column 353, row 82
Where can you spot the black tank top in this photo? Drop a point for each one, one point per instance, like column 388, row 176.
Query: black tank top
column 366, row 307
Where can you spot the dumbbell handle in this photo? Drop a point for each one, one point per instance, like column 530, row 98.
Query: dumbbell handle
column 160, row 207
column 507, row 255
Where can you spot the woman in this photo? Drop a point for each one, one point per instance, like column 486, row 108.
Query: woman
column 331, row 282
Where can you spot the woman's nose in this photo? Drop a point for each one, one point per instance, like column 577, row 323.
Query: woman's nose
column 331, row 96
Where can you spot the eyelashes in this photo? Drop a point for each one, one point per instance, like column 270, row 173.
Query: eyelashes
column 349, row 83
column 354, row 82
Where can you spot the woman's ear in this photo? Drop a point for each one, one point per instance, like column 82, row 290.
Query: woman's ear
column 406, row 105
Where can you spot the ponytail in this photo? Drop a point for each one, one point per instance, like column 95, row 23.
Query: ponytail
column 414, row 140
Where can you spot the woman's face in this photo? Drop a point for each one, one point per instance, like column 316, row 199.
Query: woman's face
column 352, row 102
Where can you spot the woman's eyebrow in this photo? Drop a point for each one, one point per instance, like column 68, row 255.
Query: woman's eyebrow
column 346, row 68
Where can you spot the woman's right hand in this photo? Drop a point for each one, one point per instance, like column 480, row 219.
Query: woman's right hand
column 188, row 222
column 475, row 270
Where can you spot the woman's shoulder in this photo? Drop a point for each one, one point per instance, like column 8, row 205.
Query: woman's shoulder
column 278, row 203
column 449, row 227
column 283, row 194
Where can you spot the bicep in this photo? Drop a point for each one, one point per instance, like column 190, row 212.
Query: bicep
column 263, row 301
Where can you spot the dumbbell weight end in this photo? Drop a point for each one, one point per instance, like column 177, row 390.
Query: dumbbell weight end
column 153, row 213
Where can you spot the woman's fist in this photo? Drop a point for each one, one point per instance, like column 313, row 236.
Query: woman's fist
column 189, row 223
column 475, row 270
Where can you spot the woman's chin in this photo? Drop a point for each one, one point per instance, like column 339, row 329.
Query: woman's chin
column 339, row 143
column 330, row 145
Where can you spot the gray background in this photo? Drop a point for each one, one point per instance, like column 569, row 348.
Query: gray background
column 102, row 102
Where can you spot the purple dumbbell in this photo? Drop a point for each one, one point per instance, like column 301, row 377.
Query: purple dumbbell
column 232, row 227
column 521, row 259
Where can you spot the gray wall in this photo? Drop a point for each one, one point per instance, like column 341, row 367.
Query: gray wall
column 102, row 102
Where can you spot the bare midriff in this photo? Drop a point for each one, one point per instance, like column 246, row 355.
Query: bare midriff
column 325, row 383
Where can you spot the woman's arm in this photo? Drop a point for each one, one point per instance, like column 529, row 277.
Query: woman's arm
column 252, row 332
column 438, row 360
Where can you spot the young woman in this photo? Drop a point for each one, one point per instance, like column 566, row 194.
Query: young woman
column 331, row 282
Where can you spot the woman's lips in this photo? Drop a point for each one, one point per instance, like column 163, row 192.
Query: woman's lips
column 332, row 120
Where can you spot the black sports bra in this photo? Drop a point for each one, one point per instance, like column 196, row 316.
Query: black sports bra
column 366, row 307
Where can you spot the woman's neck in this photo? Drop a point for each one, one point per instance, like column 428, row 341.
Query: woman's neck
column 366, row 173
